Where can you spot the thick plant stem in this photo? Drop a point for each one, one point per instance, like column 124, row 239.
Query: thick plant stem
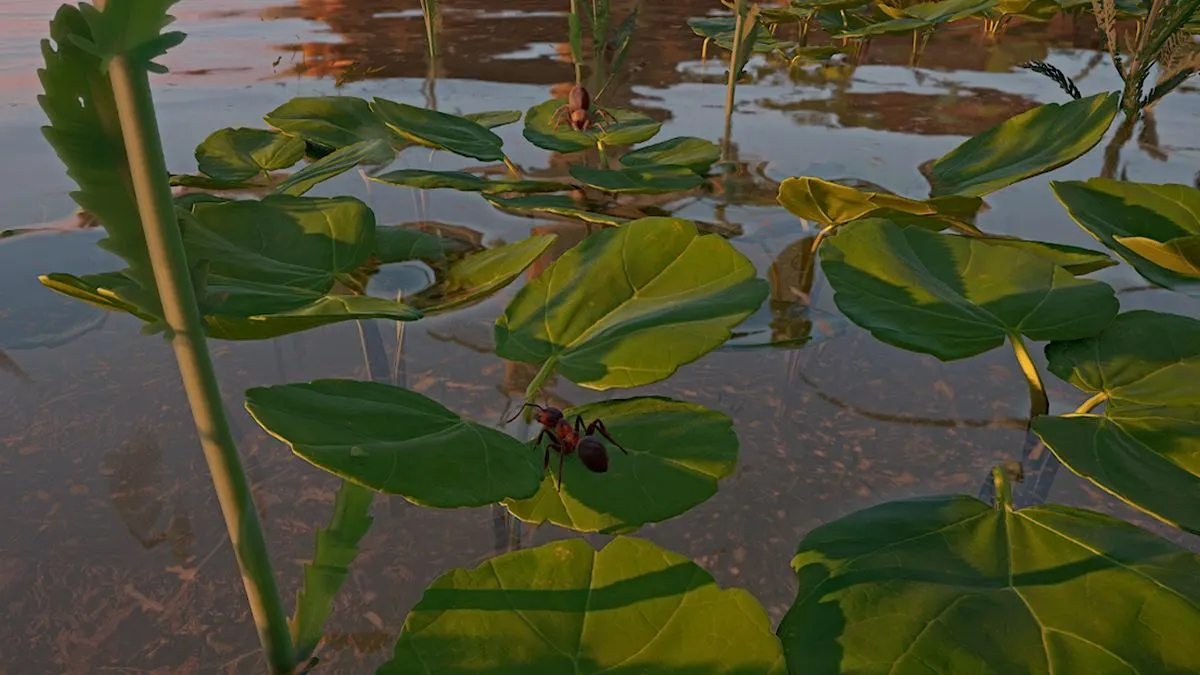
column 1038, row 403
column 543, row 374
column 131, row 88
column 1091, row 404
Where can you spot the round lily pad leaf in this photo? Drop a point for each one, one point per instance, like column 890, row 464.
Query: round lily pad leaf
column 564, row 607
column 395, row 441
column 562, row 206
column 831, row 203
column 1155, row 228
column 330, row 121
column 1145, row 446
column 955, row 297
column 947, row 11
column 629, row 305
column 904, row 24
column 721, row 29
column 677, row 453
column 697, row 154
column 1029, row 144
column 238, row 154
column 952, row 585
column 631, row 128
column 1074, row 259
column 646, row 180
column 481, row 274
column 466, row 182
column 439, row 130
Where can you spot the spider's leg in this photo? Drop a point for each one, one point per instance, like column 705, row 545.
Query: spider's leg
column 557, row 116
column 607, row 114
column 599, row 426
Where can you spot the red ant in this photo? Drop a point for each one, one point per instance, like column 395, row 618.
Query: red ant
column 565, row 438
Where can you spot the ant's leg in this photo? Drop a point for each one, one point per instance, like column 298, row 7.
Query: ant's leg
column 522, row 409
column 599, row 426
column 546, row 459
column 579, row 425
column 561, row 457
column 545, row 432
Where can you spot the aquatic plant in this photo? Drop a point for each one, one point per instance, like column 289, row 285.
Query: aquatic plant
column 950, row 582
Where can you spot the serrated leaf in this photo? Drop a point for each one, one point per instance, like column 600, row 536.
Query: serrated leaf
column 85, row 132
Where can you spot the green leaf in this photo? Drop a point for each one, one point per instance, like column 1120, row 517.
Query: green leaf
column 554, row 205
column 540, row 128
column 439, row 130
column 677, row 453
column 395, row 441
column 335, row 550
column 396, row 243
column 947, row 11
column 630, row 305
column 85, row 132
column 131, row 28
column 1032, row 143
column 494, row 118
column 466, row 182
column 479, row 275
column 331, row 121
column 334, row 164
column 1120, row 214
column 952, row 585
column 955, row 297
column 830, row 203
column 1074, row 259
column 202, row 182
column 697, row 154
column 1145, row 446
column 240, row 154
column 646, row 180
column 721, row 29
column 1180, row 255
column 905, row 24
column 563, row 607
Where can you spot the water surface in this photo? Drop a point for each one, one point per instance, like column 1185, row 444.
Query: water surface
column 114, row 556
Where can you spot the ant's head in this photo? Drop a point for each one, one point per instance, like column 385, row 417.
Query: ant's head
column 593, row 454
column 545, row 416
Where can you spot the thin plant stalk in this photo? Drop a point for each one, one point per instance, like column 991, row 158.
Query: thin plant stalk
column 135, row 105
column 1039, row 404
column 731, row 85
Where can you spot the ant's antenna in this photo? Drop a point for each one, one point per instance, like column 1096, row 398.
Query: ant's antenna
column 522, row 409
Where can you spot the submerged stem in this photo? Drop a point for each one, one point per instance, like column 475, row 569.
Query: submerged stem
column 1038, row 403
column 821, row 237
column 148, row 171
column 1091, row 404
column 512, row 168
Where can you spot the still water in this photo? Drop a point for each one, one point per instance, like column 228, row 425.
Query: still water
column 114, row 556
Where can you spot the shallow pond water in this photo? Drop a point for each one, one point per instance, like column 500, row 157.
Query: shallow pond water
column 114, row 555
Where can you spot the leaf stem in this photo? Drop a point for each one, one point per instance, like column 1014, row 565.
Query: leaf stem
column 535, row 385
column 1091, row 404
column 148, row 173
column 1039, row 404
column 821, row 237
column 1004, row 498
column 512, row 168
